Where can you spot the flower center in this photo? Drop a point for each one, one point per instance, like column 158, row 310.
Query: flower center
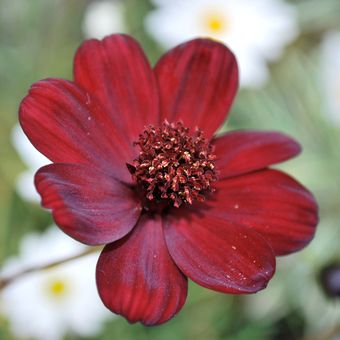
column 173, row 165
column 215, row 22
column 56, row 288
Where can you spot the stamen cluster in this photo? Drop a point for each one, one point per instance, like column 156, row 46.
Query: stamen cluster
column 174, row 165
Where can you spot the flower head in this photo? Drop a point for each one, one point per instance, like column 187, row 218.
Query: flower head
column 173, row 166
column 51, row 303
column 256, row 30
column 136, row 166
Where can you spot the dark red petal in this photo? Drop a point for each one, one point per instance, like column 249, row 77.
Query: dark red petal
column 219, row 255
column 137, row 278
column 90, row 206
column 68, row 126
column 116, row 71
column 239, row 152
column 197, row 81
column 270, row 202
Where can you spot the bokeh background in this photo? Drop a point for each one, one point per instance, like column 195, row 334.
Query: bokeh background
column 289, row 54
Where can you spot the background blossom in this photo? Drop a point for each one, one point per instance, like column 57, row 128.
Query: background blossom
column 32, row 159
column 330, row 75
column 60, row 300
column 256, row 30
column 104, row 17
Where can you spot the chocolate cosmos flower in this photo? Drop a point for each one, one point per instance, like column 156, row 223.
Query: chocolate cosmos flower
column 136, row 167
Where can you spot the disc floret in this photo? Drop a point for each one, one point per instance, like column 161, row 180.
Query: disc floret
column 174, row 165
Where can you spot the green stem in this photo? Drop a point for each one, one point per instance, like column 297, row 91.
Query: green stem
column 5, row 281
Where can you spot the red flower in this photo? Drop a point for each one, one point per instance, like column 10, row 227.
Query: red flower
column 136, row 167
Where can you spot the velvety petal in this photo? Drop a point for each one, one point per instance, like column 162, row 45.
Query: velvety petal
column 137, row 278
column 90, row 206
column 270, row 202
column 116, row 71
column 67, row 125
column 239, row 152
column 197, row 83
column 218, row 255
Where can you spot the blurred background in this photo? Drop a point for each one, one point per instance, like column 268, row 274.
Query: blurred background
column 289, row 57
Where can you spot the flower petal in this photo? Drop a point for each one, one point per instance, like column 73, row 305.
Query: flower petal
column 68, row 126
column 137, row 278
column 239, row 152
column 116, row 71
column 270, row 202
column 197, row 83
column 218, row 255
column 90, row 206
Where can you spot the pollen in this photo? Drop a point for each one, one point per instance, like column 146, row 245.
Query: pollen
column 174, row 165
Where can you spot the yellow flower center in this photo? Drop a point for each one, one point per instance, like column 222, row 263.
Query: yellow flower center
column 57, row 288
column 215, row 22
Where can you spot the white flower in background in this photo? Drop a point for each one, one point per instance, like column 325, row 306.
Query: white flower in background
column 33, row 159
column 48, row 304
column 330, row 59
column 102, row 18
column 256, row 30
